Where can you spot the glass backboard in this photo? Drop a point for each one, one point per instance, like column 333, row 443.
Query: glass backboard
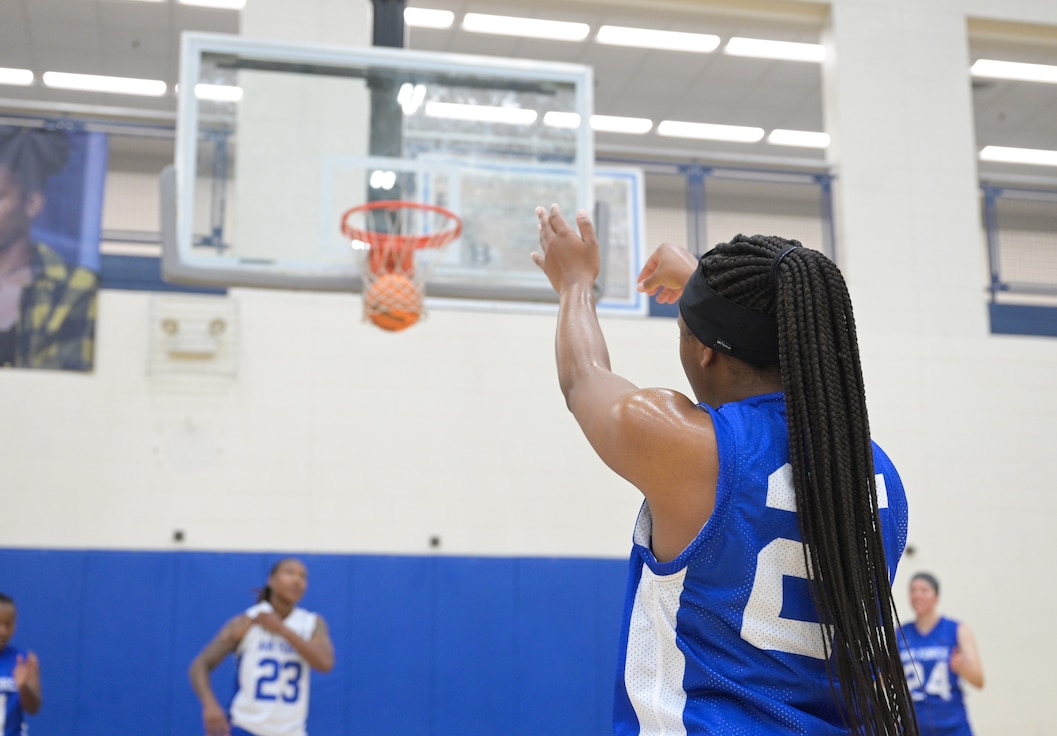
column 276, row 140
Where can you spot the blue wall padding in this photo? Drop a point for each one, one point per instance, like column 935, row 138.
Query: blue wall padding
column 426, row 646
column 559, row 686
column 142, row 273
column 390, row 681
column 474, row 634
column 127, row 608
column 50, row 592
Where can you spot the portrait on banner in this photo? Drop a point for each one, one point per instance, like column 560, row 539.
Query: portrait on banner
column 51, row 197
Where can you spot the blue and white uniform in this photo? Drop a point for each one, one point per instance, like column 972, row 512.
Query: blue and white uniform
column 724, row 639
column 937, row 692
column 12, row 719
column 273, row 678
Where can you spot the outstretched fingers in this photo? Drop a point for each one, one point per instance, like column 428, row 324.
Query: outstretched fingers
column 587, row 228
column 553, row 227
column 556, row 220
column 545, row 234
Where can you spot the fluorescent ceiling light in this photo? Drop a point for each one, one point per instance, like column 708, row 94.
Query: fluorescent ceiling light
column 801, row 138
column 707, row 131
column 615, row 124
column 219, row 4
column 481, row 113
column 602, row 123
column 1014, row 70
column 1019, row 155
column 503, row 25
column 784, row 50
column 95, row 83
column 410, row 97
column 20, row 77
column 218, row 92
column 557, row 119
column 428, row 18
column 649, row 39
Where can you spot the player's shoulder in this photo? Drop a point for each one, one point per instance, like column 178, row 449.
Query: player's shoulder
column 236, row 627
column 662, row 421
column 661, row 403
column 304, row 614
column 963, row 632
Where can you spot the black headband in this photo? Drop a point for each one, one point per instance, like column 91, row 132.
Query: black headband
column 740, row 332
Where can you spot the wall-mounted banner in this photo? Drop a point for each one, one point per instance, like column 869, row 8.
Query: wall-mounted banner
column 51, row 201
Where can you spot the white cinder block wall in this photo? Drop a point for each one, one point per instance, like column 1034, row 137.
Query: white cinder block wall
column 967, row 416
column 334, row 436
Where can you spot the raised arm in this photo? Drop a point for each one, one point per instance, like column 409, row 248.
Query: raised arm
column 224, row 643
column 657, row 439
column 965, row 659
column 27, row 680
column 666, row 272
column 318, row 650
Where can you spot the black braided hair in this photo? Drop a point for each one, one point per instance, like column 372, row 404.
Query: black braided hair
column 265, row 594
column 833, row 472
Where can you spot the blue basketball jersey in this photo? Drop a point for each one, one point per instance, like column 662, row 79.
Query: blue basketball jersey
column 725, row 639
column 12, row 720
column 938, row 698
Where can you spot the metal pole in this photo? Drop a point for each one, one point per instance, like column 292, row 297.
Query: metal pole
column 695, row 207
column 387, row 129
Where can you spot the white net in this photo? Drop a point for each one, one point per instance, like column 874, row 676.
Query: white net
column 397, row 245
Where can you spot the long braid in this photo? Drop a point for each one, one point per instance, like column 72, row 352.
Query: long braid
column 833, row 472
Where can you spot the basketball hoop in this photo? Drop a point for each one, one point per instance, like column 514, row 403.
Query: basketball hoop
column 387, row 235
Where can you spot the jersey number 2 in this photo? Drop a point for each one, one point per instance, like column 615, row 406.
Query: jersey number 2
column 269, row 686
column 762, row 623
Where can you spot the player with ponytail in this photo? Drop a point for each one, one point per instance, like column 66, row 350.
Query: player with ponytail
column 759, row 599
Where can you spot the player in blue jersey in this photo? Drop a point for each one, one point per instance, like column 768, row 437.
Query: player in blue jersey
column 938, row 653
column 276, row 643
column 766, row 480
column 19, row 676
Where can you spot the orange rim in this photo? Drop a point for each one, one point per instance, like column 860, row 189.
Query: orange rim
column 397, row 240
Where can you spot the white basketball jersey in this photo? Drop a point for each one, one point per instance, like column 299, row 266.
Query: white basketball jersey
column 272, row 695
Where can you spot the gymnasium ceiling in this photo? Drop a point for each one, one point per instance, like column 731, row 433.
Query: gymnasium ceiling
column 140, row 39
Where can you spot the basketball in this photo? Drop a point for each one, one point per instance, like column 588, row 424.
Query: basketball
column 393, row 302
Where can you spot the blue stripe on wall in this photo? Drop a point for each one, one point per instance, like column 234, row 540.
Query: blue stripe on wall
column 425, row 645
column 142, row 273
column 1023, row 319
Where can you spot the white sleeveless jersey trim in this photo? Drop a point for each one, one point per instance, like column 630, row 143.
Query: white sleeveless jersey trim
column 654, row 667
column 273, row 678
